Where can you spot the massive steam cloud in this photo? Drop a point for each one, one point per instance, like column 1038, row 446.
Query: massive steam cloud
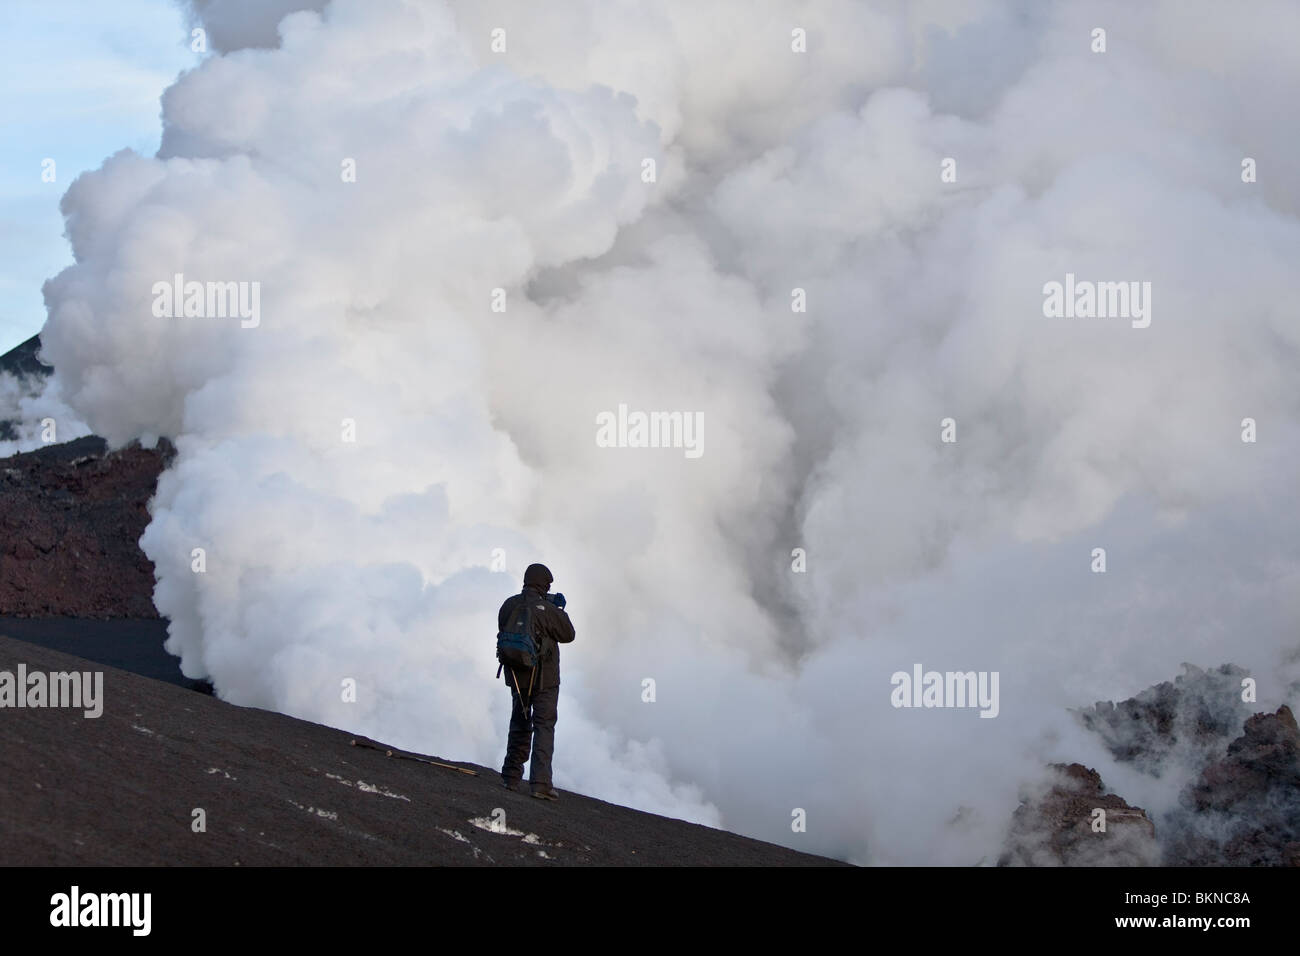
column 522, row 170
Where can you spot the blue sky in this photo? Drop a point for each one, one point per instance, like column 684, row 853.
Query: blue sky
column 79, row 80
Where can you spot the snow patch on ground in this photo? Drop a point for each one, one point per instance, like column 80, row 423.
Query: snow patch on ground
column 373, row 788
column 324, row 814
column 456, row 835
column 368, row 787
column 498, row 826
column 492, row 826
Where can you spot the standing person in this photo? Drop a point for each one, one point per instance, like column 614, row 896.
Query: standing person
column 535, row 693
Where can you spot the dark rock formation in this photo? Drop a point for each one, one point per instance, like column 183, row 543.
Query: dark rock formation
column 1244, row 809
column 22, row 361
column 1240, row 808
column 1192, row 719
column 71, row 516
column 1054, row 825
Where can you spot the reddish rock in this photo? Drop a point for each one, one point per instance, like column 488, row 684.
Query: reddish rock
column 1244, row 809
column 1053, row 826
column 71, row 516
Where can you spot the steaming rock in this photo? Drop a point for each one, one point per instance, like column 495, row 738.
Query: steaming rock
column 1242, row 806
column 1054, row 825
column 22, row 375
column 1191, row 717
column 1245, row 808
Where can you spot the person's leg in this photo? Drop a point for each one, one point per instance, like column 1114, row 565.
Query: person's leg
column 518, row 742
column 545, row 706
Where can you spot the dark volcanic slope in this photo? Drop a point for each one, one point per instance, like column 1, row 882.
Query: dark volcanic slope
column 71, row 516
column 21, row 363
column 121, row 789
column 135, row 646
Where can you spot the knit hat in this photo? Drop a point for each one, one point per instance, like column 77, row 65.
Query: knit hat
column 539, row 575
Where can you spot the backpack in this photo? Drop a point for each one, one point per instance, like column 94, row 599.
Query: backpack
column 518, row 647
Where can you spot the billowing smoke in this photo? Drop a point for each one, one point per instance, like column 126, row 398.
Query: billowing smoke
column 526, row 169
column 33, row 413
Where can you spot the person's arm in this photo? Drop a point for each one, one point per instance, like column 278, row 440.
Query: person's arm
column 561, row 627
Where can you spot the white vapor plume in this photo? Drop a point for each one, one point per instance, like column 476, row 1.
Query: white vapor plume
column 523, row 170
column 35, row 413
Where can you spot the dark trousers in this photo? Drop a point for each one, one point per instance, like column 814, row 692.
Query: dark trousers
column 533, row 726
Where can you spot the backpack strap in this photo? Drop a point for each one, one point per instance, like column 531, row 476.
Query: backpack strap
column 530, row 630
column 537, row 645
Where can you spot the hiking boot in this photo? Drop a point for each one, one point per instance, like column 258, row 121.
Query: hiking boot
column 545, row 792
column 514, row 784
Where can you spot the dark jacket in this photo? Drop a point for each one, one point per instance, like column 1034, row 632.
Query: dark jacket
column 551, row 628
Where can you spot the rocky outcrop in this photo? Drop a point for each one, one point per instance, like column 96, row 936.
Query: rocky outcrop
column 1189, row 720
column 71, row 516
column 1238, row 774
column 1070, row 820
column 1244, row 809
